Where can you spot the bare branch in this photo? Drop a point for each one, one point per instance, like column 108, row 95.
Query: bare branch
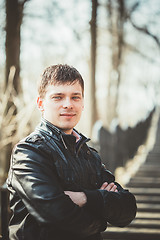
column 134, row 7
column 147, row 32
column 136, row 50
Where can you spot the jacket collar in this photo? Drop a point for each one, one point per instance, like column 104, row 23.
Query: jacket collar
column 68, row 140
column 49, row 127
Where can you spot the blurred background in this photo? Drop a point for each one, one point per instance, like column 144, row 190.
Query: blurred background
column 114, row 44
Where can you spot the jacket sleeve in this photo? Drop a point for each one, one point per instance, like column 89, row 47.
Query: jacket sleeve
column 34, row 179
column 118, row 208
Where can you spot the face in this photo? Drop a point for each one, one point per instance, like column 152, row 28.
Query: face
column 62, row 105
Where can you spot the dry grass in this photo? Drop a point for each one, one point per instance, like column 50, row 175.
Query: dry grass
column 15, row 119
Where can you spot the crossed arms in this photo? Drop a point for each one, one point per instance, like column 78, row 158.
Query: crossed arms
column 80, row 198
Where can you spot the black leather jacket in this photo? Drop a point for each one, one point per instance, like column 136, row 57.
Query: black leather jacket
column 43, row 166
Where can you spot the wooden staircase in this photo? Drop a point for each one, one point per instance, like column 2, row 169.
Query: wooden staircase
column 145, row 185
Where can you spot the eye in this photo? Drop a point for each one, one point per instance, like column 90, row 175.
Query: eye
column 76, row 98
column 56, row 98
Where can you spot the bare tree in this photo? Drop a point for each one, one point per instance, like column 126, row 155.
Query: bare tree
column 93, row 24
column 144, row 29
column 14, row 16
column 116, row 10
column 119, row 13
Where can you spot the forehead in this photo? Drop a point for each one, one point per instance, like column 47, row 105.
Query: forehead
column 66, row 88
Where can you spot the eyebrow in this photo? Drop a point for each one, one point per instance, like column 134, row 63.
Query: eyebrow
column 77, row 93
column 57, row 93
column 74, row 93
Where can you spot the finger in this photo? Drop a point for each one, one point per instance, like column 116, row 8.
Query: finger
column 109, row 187
column 114, row 188
column 104, row 185
column 68, row 193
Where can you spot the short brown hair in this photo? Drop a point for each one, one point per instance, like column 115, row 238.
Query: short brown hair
column 59, row 74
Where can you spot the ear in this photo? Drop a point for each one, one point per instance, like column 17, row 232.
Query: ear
column 40, row 104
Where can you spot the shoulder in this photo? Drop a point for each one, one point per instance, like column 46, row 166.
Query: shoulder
column 32, row 142
column 93, row 150
column 33, row 138
column 30, row 150
column 93, row 153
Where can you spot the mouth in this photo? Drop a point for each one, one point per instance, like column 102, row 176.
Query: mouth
column 68, row 115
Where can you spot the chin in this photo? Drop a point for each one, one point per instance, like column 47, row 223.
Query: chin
column 67, row 128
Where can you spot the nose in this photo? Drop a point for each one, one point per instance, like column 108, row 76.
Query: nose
column 67, row 103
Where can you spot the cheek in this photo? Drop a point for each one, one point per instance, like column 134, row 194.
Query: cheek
column 80, row 106
column 50, row 108
column 80, row 110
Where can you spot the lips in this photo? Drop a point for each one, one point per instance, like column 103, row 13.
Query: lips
column 67, row 114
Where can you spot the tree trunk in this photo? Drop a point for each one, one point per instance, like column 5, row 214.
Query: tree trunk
column 14, row 15
column 93, row 24
column 116, row 12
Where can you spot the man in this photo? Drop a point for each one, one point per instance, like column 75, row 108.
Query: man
column 59, row 187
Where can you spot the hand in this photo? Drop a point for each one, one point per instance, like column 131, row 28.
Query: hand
column 78, row 198
column 111, row 187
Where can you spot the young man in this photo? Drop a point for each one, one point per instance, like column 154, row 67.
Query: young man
column 59, row 189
